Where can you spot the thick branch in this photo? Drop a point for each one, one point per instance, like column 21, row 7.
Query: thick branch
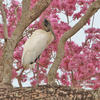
column 60, row 53
column 25, row 6
column 4, row 21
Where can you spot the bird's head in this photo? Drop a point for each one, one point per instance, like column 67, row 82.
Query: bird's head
column 47, row 27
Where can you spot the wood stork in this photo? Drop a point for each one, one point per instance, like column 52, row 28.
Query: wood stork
column 35, row 45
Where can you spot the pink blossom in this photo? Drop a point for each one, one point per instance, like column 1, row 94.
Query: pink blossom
column 15, row 2
column 32, row 3
column 34, row 83
column 14, row 73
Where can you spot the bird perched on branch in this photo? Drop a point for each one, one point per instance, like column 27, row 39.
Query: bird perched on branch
column 35, row 45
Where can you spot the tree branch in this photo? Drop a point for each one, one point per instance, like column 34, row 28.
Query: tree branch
column 25, row 6
column 4, row 21
column 60, row 53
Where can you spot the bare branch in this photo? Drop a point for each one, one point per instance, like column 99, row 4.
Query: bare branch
column 40, row 6
column 67, row 18
column 60, row 53
column 25, row 6
column 4, row 20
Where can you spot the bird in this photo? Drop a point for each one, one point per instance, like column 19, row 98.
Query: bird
column 37, row 43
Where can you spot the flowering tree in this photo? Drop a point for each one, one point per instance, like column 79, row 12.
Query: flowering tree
column 78, row 65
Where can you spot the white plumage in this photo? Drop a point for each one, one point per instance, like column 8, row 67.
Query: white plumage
column 35, row 45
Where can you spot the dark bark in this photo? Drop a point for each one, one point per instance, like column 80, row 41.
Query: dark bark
column 48, row 93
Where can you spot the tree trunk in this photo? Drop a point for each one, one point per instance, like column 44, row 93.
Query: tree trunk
column 48, row 93
column 7, row 63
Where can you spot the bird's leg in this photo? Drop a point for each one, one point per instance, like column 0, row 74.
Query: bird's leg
column 19, row 78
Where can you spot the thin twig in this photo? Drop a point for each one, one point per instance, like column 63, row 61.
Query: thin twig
column 93, row 20
column 68, row 23
column 67, row 18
